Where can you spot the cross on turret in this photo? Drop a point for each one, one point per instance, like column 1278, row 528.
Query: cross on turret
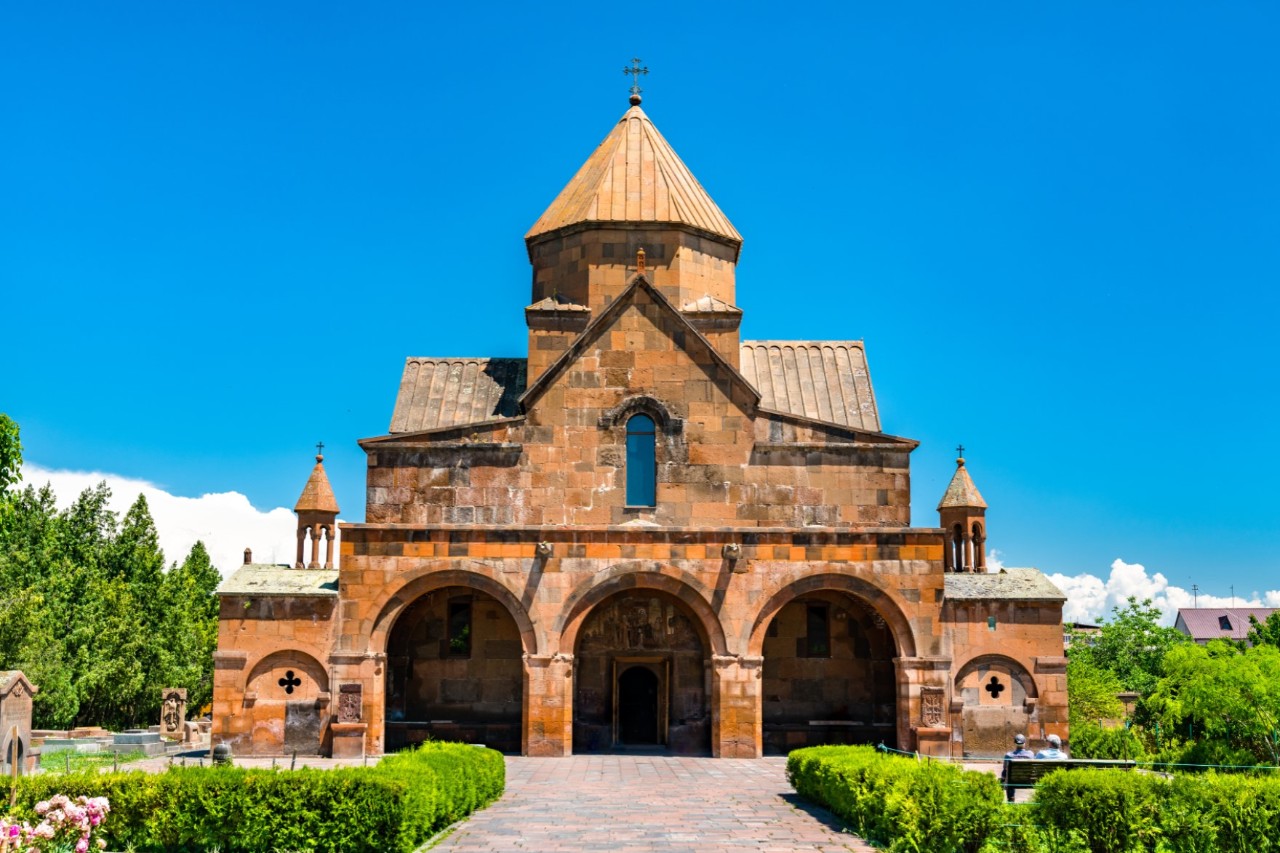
column 635, row 71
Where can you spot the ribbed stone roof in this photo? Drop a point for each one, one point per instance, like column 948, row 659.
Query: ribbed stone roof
column 449, row 392
column 317, row 495
column 961, row 492
column 822, row 380
column 635, row 176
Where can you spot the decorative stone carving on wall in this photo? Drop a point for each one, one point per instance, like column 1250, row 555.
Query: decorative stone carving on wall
column 350, row 703
column 173, row 711
column 931, row 706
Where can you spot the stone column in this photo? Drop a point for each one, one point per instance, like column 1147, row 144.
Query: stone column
column 548, row 705
column 924, row 691
column 736, row 711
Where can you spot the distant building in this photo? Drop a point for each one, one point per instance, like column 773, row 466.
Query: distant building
column 1203, row 624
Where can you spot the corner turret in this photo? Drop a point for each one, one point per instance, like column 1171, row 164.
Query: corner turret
column 317, row 511
column 962, row 513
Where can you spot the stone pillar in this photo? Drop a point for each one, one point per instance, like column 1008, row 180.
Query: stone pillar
column 736, row 709
column 548, row 705
column 1051, row 684
column 356, row 724
column 231, row 724
column 924, row 690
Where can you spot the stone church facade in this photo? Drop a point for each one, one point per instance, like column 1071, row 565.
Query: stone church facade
column 648, row 534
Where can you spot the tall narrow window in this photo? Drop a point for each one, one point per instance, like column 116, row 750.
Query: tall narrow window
column 459, row 641
column 642, row 463
column 817, row 631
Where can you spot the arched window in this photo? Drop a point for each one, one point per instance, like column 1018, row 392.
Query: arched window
column 642, row 462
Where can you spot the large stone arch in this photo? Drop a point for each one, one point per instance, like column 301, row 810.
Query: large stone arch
column 877, row 598
column 393, row 601
column 997, row 697
column 625, row 577
column 287, row 702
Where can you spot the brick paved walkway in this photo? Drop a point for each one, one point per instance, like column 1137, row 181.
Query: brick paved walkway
column 645, row 804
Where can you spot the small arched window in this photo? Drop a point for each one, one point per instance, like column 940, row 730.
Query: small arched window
column 642, row 462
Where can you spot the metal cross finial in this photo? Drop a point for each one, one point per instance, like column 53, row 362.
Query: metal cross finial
column 319, row 447
column 635, row 71
column 960, row 450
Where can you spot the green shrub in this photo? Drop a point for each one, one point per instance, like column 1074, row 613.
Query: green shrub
column 395, row 806
column 1107, row 811
column 906, row 804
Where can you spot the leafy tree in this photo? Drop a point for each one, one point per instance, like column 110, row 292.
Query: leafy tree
column 1132, row 646
column 1091, row 691
column 190, row 594
column 10, row 453
column 1231, row 697
column 1264, row 633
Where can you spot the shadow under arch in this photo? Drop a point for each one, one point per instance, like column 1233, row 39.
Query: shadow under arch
column 1013, row 667
column 881, row 601
column 393, row 602
column 640, row 576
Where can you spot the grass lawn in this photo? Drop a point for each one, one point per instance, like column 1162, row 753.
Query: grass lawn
column 70, row 761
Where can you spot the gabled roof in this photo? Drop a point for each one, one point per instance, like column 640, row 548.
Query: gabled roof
column 638, row 282
column 961, row 492
column 820, row 380
column 317, row 494
column 1206, row 623
column 1005, row 585
column 450, row 392
column 635, row 176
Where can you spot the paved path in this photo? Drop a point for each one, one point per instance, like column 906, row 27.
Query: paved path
column 646, row 804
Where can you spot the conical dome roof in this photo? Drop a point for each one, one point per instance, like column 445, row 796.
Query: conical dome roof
column 635, row 176
column 317, row 495
column 961, row 492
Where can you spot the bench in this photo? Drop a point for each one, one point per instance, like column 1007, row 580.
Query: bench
column 1026, row 772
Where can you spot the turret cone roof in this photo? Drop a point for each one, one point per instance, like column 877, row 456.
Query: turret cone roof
column 317, row 495
column 635, row 177
column 962, row 493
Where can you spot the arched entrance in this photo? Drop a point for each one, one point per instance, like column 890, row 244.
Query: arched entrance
column 641, row 676
column 828, row 674
column 454, row 671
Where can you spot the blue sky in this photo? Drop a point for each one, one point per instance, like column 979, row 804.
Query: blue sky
column 224, row 226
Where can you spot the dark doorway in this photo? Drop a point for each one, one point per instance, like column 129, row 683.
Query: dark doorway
column 638, row 707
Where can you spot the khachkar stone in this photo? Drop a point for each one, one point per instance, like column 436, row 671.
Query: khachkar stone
column 173, row 712
column 350, row 699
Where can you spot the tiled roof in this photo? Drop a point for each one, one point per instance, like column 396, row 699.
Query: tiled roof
column 267, row 579
column 1203, row 623
column 448, row 392
column 1007, row 584
column 317, row 494
column 961, row 492
column 821, row 380
column 635, row 176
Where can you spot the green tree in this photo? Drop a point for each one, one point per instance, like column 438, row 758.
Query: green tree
column 192, row 629
column 1232, row 698
column 1091, row 691
column 1132, row 645
column 1264, row 633
column 10, row 452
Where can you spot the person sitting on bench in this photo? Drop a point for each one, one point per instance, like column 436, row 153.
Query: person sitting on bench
column 1019, row 752
column 1054, row 750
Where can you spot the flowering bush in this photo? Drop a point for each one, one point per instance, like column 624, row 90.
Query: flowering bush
column 66, row 826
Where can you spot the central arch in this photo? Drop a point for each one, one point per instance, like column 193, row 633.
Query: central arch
column 641, row 675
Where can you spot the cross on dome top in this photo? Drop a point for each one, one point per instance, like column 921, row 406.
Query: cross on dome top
column 635, row 71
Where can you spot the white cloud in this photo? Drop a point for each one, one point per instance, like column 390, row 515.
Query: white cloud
column 226, row 522
column 1091, row 599
column 994, row 561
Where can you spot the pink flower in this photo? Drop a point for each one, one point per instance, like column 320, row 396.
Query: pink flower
column 82, row 846
column 42, row 807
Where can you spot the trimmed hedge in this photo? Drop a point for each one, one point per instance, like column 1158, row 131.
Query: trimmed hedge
column 394, row 806
column 919, row 806
column 1109, row 811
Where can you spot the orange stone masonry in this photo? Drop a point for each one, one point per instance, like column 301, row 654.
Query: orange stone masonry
column 649, row 534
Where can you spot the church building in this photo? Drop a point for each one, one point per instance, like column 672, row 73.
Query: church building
column 648, row 534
